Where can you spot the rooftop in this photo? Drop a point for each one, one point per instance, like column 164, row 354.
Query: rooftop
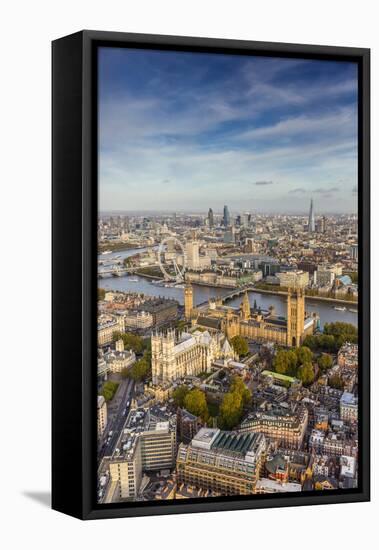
column 348, row 399
column 205, row 437
column 279, row 376
column 233, row 442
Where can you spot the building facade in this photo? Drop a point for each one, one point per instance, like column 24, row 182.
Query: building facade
column 162, row 310
column 187, row 354
column 152, row 448
column 107, row 325
column 101, row 416
column 293, row 279
column 287, row 429
column 254, row 324
column 225, row 463
column 119, row 359
column 349, row 407
column 139, row 320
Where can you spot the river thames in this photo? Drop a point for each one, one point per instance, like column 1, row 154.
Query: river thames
column 132, row 283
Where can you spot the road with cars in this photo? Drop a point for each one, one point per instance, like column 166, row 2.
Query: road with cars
column 117, row 422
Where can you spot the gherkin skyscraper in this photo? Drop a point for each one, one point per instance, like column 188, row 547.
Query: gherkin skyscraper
column 311, row 219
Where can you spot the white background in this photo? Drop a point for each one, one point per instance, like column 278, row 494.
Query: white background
column 26, row 31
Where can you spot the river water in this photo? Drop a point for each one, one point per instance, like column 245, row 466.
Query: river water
column 325, row 310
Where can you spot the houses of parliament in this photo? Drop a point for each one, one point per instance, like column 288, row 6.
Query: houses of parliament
column 252, row 323
column 213, row 325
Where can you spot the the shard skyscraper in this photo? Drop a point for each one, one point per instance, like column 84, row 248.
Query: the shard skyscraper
column 311, row 220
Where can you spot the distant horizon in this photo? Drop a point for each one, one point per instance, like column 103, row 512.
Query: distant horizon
column 220, row 213
column 264, row 133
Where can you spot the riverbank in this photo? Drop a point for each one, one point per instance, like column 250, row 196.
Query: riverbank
column 118, row 247
column 314, row 298
column 147, row 276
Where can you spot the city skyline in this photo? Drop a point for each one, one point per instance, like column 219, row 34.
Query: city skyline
column 205, row 211
column 265, row 134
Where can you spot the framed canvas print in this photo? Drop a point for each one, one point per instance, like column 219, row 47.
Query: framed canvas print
column 210, row 275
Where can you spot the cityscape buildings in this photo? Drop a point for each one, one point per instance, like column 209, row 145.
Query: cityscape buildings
column 228, row 286
column 161, row 336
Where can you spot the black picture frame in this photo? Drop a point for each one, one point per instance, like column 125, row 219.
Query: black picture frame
column 74, row 294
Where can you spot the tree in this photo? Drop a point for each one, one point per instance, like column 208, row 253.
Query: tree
column 304, row 355
column 342, row 332
column 336, row 382
column 322, row 342
column 240, row 345
column 231, row 410
column 179, row 395
column 131, row 341
column 196, row 403
column 238, row 386
column 109, row 389
column 353, row 276
column 311, row 342
column 306, row 374
column 292, row 362
column 281, row 362
column 324, row 362
column 125, row 372
column 327, row 342
column 141, row 369
column 100, row 294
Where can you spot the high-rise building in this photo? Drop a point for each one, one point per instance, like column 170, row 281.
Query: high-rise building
column 230, row 235
column 226, row 216
column 210, row 218
column 311, row 219
column 321, row 225
column 192, row 255
column 245, row 219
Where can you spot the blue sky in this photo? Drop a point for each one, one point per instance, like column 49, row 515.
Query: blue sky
column 189, row 131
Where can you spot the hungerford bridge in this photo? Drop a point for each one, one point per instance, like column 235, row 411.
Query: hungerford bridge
column 115, row 271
